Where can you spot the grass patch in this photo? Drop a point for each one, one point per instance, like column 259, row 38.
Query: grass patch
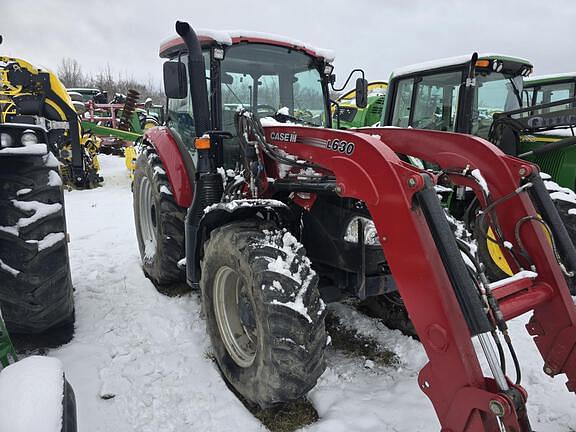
column 353, row 343
column 287, row 417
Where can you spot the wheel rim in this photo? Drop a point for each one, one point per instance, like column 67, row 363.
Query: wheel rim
column 147, row 211
column 235, row 316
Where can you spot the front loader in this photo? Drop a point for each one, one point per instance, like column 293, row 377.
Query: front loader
column 271, row 213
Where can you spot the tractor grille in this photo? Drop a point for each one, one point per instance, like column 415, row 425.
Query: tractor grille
column 551, row 163
column 347, row 114
column 377, row 107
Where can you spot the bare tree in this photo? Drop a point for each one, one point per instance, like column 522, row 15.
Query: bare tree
column 70, row 72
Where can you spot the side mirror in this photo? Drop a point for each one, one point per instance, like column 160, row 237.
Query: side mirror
column 175, row 82
column 361, row 93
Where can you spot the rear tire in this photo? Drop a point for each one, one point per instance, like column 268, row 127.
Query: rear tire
column 264, row 313
column 36, row 294
column 159, row 221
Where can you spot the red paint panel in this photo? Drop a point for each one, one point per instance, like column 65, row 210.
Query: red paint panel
column 167, row 148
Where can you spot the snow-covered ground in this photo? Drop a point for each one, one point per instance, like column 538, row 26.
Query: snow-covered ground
column 140, row 361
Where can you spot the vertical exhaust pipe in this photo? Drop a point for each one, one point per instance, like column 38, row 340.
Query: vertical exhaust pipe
column 196, row 77
column 208, row 187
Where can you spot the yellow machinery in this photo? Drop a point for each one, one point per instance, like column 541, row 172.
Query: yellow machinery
column 30, row 95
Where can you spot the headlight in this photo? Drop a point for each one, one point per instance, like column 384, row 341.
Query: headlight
column 6, row 140
column 28, row 138
column 370, row 233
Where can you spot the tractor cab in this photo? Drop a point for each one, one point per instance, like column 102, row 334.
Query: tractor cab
column 459, row 94
column 549, row 88
column 264, row 74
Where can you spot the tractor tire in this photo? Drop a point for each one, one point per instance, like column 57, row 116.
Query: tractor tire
column 159, row 222
column 264, row 314
column 36, row 294
column 390, row 310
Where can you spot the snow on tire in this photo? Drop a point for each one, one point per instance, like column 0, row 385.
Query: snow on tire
column 159, row 221
column 36, row 294
column 264, row 313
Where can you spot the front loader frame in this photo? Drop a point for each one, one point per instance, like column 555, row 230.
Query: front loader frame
column 428, row 269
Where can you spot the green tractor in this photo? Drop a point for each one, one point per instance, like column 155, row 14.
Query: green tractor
column 561, row 165
column 346, row 114
column 482, row 96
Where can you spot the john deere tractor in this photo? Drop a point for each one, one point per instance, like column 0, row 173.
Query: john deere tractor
column 37, row 124
column 483, row 96
column 560, row 164
column 346, row 114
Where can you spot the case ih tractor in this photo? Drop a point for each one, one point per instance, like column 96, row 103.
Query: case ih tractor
column 273, row 212
column 482, row 96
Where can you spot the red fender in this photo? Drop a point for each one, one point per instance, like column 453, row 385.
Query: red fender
column 170, row 154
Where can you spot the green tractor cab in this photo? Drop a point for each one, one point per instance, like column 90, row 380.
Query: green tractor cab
column 347, row 115
column 442, row 95
column 546, row 89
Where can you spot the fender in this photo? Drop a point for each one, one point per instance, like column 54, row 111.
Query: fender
column 177, row 162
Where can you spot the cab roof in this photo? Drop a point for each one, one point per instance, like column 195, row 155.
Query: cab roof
column 207, row 37
column 550, row 79
column 454, row 61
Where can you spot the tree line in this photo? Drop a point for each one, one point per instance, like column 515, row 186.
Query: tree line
column 72, row 76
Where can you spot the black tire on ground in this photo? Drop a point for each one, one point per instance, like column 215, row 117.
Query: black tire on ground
column 159, row 222
column 279, row 316
column 36, row 294
column 389, row 309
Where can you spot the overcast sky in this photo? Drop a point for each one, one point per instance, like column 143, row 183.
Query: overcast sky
column 378, row 36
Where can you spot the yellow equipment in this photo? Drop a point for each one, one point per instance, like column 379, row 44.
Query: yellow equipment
column 30, row 95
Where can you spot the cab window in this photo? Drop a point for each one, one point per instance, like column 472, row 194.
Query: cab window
column 180, row 117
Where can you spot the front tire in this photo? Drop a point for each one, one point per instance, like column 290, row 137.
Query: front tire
column 159, row 221
column 264, row 313
column 36, row 294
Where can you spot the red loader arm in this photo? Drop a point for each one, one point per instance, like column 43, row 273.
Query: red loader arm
column 427, row 266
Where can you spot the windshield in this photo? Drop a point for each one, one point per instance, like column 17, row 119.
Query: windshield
column 264, row 78
column 495, row 92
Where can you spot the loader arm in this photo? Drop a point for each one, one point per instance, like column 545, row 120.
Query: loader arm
column 427, row 269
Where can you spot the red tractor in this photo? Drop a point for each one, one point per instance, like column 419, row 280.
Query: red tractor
column 274, row 211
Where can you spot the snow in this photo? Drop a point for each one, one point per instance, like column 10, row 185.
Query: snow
column 49, row 240
column 283, row 111
column 480, row 180
column 225, row 37
column 524, row 274
column 31, row 392
column 9, row 269
column 164, row 189
column 235, row 204
column 572, row 211
column 150, row 353
column 550, row 76
column 23, row 191
column 449, row 61
column 284, row 265
column 54, row 178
